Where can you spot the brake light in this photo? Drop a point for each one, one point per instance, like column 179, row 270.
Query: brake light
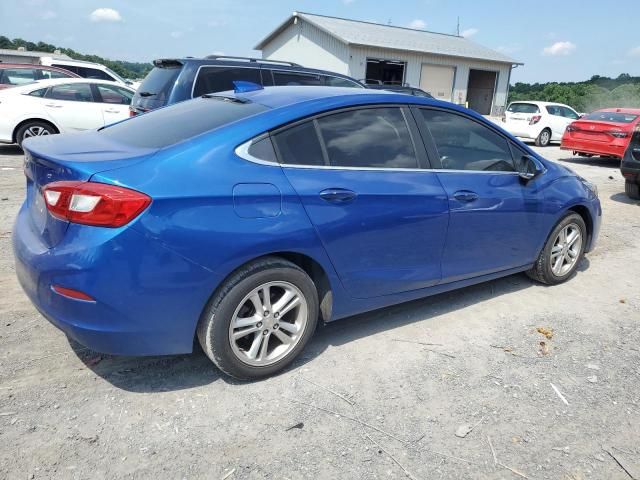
column 71, row 293
column 535, row 119
column 90, row 203
column 132, row 112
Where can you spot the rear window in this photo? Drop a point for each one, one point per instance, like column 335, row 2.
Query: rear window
column 523, row 108
column 161, row 128
column 614, row 117
column 159, row 83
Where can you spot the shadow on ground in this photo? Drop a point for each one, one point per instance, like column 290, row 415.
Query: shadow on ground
column 593, row 161
column 623, row 198
column 10, row 150
column 162, row 374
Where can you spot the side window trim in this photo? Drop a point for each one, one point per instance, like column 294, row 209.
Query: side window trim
column 424, row 128
column 323, row 146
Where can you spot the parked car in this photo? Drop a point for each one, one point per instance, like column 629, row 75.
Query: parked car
column 60, row 106
column 175, row 80
column 243, row 219
column 630, row 166
column 542, row 122
column 14, row 74
column 407, row 89
column 604, row 132
column 94, row 71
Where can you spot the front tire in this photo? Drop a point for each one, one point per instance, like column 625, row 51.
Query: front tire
column 632, row 190
column 260, row 319
column 544, row 139
column 562, row 253
column 34, row 128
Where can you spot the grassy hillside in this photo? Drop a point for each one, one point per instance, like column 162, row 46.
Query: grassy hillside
column 124, row 69
column 597, row 92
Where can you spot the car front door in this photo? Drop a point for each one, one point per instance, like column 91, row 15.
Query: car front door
column 495, row 217
column 381, row 217
column 72, row 107
column 114, row 100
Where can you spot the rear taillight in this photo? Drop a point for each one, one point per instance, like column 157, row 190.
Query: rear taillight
column 132, row 112
column 504, row 118
column 535, row 119
column 618, row 133
column 91, row 203
column 572, row 128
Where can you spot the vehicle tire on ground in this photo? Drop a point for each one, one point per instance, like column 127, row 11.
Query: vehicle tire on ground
column 544, row 139
column 35, row 128
column 562, row 252
column 260, row 318
column 632, row 190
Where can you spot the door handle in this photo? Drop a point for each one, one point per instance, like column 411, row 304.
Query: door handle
column 338, row 195
column 52, row 105
column 465, row 196
column 111, row 111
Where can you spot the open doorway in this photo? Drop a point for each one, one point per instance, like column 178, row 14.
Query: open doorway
column 389, row 72
column 480, row 90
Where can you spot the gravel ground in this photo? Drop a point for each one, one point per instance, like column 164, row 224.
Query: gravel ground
column 366, row 400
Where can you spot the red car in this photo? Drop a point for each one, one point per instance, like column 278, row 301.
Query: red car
column 13, row 74
column 604, row 132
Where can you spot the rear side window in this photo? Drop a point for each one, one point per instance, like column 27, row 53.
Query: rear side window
column 50, row 74
column 263, row 150
column 73, row 92
column 17, row 76
column 94, row 74
column 281, row 77
column 159, row 83
column 38, row 93
column 464, row 144
column 523, row 108
column 220, row 79
column 161, row 128
column 70, row 68
column 299, row 145
column 368, row 138
column 554, row 110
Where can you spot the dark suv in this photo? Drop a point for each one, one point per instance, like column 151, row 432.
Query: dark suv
column 630, row 166
column 176, row 80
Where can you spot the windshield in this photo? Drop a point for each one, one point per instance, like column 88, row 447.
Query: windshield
column 181, row 121
column 613, row 117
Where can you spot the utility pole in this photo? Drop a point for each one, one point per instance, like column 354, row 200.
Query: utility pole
column 458, row 27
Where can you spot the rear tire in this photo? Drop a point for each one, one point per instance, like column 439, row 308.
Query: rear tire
column 35, row 128
column 244, row 335
column 632, row 190
column 544, row 139
column 562, row 252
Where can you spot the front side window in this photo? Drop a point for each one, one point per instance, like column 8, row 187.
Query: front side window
column 74, row 92
column 554, row 110
column 114, row 94
column 568, row 113
column 368, row 138
column 220, row 79
column 464, row 144
column 281, row 77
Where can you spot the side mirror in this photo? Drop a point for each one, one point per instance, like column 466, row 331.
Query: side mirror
column 529, row 168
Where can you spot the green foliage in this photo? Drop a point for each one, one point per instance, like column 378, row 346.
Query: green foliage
column 122, row 68
column 593, row 94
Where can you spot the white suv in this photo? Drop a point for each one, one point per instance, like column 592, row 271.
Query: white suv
column 543, row 122
column 94, row 71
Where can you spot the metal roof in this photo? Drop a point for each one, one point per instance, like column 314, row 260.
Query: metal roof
column 30, row 53
column 355, row 32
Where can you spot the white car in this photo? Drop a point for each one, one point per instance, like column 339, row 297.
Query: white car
column 543, row 122
column 61, row 106
column 94, row 71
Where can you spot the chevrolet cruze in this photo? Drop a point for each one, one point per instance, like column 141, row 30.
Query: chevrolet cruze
column 244, row 218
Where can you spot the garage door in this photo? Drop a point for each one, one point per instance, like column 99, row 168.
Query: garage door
column 437, row 80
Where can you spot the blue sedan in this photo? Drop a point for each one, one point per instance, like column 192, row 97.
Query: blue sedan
column 245, row 218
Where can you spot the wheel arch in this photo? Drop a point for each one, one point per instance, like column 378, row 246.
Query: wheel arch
column 586, row 216
column 32, row 119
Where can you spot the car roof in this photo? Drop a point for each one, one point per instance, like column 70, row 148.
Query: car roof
column 539, row 103
column 75, row 63
column 57, row 81
column 275, row 97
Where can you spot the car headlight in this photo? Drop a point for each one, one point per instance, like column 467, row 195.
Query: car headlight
column 591, row 186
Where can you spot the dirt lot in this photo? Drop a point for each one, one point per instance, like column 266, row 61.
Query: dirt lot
column 366, row 400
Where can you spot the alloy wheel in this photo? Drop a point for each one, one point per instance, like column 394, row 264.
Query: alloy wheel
column 268, row 323
column 566, row 250
column 36, row 131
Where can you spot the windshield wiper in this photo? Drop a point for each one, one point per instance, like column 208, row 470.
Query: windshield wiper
column 147, row 94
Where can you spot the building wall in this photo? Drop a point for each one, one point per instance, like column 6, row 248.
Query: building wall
column 309, row 46
column 414, row 61
column 19, row 59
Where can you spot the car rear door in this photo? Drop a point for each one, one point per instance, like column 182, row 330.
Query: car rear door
column 495, row 218
column 381, row 217
column 72, row 107
column 556, row 121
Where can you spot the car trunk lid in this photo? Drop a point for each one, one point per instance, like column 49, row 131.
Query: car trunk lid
column 598, row 131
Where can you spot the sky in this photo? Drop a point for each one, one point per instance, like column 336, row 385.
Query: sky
column 559, row 40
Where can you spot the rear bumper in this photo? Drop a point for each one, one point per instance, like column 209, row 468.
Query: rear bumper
column 522, row 130
column 147, row 299
column 615, row 148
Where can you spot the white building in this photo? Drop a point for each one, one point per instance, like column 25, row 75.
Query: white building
column 21, row 55
column 450, row 67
